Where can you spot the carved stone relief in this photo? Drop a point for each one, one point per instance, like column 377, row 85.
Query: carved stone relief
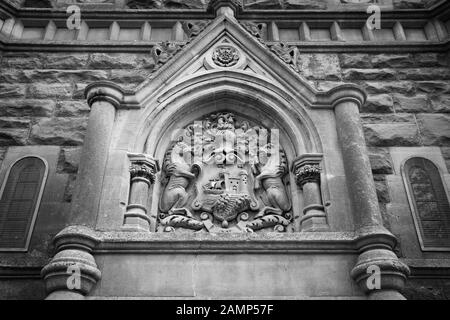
column 225, row 174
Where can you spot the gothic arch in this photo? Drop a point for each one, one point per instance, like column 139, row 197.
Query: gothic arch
column 195, row 96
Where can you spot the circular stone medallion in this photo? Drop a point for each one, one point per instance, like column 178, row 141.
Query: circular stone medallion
column 225, row 56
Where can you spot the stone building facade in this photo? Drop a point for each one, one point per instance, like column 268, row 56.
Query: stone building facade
column 224, row 149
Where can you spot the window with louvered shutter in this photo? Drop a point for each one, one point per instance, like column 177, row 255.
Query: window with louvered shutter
column 19, row 202
column 429, row 203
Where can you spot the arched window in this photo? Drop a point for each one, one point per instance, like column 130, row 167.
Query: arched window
column 429, row 203
column 19, row 203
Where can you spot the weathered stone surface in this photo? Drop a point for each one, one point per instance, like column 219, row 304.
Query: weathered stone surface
column 37, row 4
column 380, row 161
column 391, row 61
column 69, row 159
column 409, row 4
column 59, row 131
column 67, row 61
column 65, row 76
column 379, row 103
column 24, row 60
column 440, row 103
column 304, row 4
column 389, row 87
column 446, row 154
column 72, row 108
column 35, row 108
column 14, row 123
column 369, row 74
column 387, row 118
column 11, row 90
column 166, row 4
column 70, row 187
column 387, row 135
column 434, row 128
column 45, row 91
column 319, row 66
column 423, row 74
column 429, row 59
column 120, row 61
column 433, row 87
column 129, row 77
column 416, row 104
column 357, row 61
column 13, row 137
column 382, row 189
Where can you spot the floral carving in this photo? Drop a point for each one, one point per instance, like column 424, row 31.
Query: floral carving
column 225, row 56
column 308, row 173
column 286, row 53
column 142, row 170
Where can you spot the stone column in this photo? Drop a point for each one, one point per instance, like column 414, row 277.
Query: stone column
column 103, row 98
column 142, row 173
column 374, row 242
column 307, row 175
column 72, row 273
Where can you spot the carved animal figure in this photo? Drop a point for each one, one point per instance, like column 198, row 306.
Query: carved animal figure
column 270, row 177
column 180, row 175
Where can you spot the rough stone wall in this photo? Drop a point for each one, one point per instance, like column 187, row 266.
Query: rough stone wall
column 42, row 98
column 408, row 104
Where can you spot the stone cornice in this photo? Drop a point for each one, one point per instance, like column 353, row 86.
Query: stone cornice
column 441, row 9
column 145, row 242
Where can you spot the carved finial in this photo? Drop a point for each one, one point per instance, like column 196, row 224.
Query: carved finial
column 225, row 7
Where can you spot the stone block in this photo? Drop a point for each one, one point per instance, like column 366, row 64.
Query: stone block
column 416, row 104
column 13, row 137
column 357, row 61
column 119, row 61
column 24, row 60
column 440, row 103
column 72, row 61
column 369, row 74
column 433, row 87
column 72, row 108
column 13, row 90
column 389, row 87
column 19, row 107
column 69, row 159
column 388, row 134
column 44, row 91
column 391, row 60
column 446, row 154
column 14, row 123
column 429, row 59
column 129, row 77
column 381, row 103
column 424, row 74
column 59, row 131
column 380, row 161
column 434, row 128
column 319, row 66
column 387, row 118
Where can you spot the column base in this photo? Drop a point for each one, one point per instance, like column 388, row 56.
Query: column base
column 315, row 219
column 385, row 295
column 136, row 220
column 65, row 295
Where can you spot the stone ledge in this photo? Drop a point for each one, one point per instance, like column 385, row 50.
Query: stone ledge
column 428, row 268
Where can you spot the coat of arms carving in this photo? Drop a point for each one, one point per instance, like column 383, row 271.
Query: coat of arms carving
column 222, row 174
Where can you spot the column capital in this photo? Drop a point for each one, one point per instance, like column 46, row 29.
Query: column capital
column 104, row 91
column 143, row 166
column 306, row 168
column 225, row 7
column 347, row 93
